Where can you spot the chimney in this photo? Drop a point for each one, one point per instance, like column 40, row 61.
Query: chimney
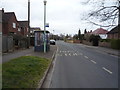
column 2, row 10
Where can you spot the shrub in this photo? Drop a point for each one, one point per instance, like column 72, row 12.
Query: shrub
column 115, row 43
column 105, row 40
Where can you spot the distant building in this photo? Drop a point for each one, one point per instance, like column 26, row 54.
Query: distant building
column 114, row 33
column 32, row 29
column 101, row 32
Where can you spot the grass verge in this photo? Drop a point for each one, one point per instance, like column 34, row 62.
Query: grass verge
column 23, row 72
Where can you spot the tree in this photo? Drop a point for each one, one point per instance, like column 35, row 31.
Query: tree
column 108, row 12
column 79, row 34
column 75, row 37
column 85, row 31
column 94, row 39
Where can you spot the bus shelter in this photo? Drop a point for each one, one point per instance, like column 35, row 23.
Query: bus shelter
column 39, row 41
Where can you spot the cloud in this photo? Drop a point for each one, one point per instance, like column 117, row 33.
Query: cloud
column 63, row 16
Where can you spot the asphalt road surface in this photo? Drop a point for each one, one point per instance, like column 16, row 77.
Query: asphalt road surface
column 81, row 66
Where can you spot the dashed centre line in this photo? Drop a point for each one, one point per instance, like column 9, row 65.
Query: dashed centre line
column 107, row 70
column 86, row 57
column 93, row 61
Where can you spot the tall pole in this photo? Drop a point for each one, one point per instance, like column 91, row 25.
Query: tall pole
column 28, row 23
column 45, row 25
column 119, row 14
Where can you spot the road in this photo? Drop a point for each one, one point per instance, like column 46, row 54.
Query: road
column 81, row 66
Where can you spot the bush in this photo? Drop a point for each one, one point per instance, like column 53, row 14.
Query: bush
column 105, row 40
column 94, row 39
column 115, row 44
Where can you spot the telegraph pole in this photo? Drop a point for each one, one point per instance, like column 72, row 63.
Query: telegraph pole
column 45, row 25
column 119, row 14
column 28, row 23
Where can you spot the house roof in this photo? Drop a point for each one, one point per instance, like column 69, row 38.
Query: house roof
column 7, row 16
column 99, row 31
column 23, row 23
column 115, row 30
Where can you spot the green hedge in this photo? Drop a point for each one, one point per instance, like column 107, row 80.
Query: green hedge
column 105, row 40
column 115, row 44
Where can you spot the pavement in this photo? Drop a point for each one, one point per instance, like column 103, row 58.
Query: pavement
column 29, row 52
column 105, row 49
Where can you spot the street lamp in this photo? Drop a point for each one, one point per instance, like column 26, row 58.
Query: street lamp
column 45, row 25
column 119, row 13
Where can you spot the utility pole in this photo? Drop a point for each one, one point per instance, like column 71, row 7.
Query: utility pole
column 28, row 23
column 119, row 14
column 45, row 25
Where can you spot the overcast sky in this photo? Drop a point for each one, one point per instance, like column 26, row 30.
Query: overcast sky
column 63, row 16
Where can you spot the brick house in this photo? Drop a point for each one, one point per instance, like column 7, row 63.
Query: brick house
column 114, row 33
column 101, row 32
column 23, row 27
column 9, row 24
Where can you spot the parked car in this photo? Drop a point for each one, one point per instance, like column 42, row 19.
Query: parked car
column 52, row 42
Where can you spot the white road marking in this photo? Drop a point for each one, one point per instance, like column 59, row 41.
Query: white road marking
column 69, row 54
column 86, row 57
column 75, row 54
column 114, row 56
column 65, row 54
column 107, row 70
column 93, row 61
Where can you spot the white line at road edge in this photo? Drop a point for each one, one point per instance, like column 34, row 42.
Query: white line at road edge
column 107, row 70
column 93, row 61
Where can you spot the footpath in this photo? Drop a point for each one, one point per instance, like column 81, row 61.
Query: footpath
column 29, row 52
column 106, row 50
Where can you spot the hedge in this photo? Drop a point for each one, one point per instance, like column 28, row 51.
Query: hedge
column 115, row 43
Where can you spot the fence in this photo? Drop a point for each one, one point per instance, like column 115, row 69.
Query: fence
column 7, row 43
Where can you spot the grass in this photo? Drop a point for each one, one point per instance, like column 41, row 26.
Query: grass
column 24, row 72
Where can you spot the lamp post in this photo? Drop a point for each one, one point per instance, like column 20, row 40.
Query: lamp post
column 28, row 23
column 45, row 25
column 119, row 13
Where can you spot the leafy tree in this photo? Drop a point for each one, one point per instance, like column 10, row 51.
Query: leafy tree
column 75, row 37
column 94, row 39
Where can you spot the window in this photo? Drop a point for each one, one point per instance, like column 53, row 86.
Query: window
column 14, row 25
column 19, row 29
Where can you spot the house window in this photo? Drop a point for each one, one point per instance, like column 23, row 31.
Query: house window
column 14, row 25
column 19, row 29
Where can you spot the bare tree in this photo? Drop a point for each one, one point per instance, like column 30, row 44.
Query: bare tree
column 106, row 14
